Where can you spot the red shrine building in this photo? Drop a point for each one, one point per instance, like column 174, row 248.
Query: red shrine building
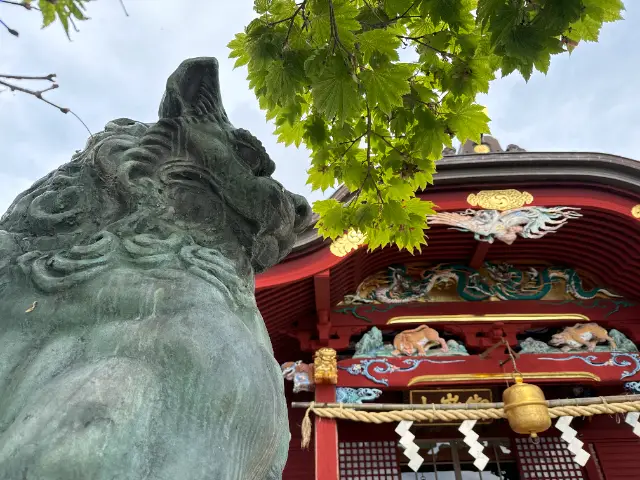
column 532, row 253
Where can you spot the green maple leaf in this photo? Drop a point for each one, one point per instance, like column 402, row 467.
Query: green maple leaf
column 335, row 92
column 290, row 133
column 331, row 223
column 386, row 85
column 604, row 10
column 420, row 180
column 343, row 18
column 557, row 15
column 410, row 238
column 321, row 179
column 429, row 134
column 377, row 237
column 283, row 81
column 364, row 215
column 315, row 131
column 239, row 50
column 419, row 208
column 587, row 29
column 467, row 120
column 384, row 41
column 542, row 62
column 354, row 172
column 63, row 10
column 394, row 214
column 48, row 12
column 450, row 12
column 397, row 7
column 398, row 189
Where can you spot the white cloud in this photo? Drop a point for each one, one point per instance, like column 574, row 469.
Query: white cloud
column 117, row 66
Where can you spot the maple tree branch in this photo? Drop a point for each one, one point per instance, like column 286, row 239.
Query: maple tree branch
column 369, row 165
column 386, row 23
column 26, row 5
column 334, row 30
column 424, row 44
column 292, row 22
column 278, row 22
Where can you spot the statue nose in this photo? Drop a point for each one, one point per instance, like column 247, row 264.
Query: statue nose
column 303, row 213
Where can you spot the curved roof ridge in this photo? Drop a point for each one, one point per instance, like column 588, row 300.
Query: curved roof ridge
column 468, row 171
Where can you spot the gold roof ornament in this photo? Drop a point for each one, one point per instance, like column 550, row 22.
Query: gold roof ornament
column 352, row 240
column 635, row 211
column 325, row 365
column 500, row 199
column 482, row 148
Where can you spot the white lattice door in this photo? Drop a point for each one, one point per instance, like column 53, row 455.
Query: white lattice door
column 548, row 458
column 368, row 461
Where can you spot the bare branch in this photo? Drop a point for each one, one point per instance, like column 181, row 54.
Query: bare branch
column 124, row 8
column 23, row 4
column 37, row 93
column 51, row 77
column 9, row 29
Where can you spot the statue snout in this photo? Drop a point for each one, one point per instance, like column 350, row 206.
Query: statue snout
column 303, row 213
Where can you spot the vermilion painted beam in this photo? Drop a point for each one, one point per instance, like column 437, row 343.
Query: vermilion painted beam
column 322, row 289
column 298, row 269
column 599, row 310
column 309, row 265
column 476, row 371
column 479, row 254
column 326, row 438
column 322, row 286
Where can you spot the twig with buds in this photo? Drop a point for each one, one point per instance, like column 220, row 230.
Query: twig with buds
column 9, row 81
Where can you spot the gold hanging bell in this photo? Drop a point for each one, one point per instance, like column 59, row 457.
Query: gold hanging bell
column 526, row 408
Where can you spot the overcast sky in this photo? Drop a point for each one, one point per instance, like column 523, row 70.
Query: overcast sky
column 117, row 67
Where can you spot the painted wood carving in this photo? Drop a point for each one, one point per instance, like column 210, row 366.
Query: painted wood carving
column 506, row 226
column 301, row 374
column 583, row 337
column 420, row 341
column 399, row 284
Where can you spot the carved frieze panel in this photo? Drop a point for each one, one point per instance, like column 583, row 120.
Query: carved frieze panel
column 506, row 226
column 399, row 284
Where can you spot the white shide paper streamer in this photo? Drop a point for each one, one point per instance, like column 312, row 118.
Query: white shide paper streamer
column 569, row 435
column 475, row 447
column 410, row 448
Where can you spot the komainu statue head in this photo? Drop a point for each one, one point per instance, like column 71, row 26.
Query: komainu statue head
column 131, row 346
column 191, row 172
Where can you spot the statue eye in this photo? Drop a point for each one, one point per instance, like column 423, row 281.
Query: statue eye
column 249, row 155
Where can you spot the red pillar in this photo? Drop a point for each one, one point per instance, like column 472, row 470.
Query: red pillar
column 326, row 437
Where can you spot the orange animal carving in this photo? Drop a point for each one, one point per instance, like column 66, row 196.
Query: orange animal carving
column 418, row 339
column 581, row 335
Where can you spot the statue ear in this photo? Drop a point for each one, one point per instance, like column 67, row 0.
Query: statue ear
column 170, row 105
column 194, row 90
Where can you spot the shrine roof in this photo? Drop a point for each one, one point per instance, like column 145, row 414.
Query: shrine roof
column 603, row 242
column 513, row 169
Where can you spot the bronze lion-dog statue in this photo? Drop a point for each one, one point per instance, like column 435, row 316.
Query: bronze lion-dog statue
column 131, row 346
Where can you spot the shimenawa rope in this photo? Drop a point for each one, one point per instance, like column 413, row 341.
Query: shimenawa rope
column 453, row 415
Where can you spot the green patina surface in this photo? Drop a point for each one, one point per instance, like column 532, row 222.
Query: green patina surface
column 145, row 356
